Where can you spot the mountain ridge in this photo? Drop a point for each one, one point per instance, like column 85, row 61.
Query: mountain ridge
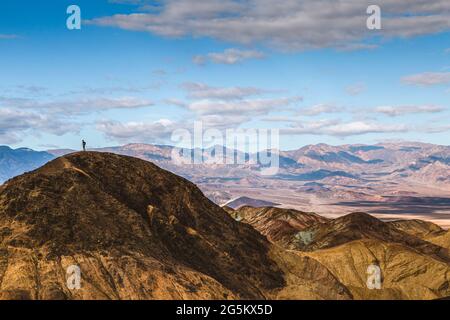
column 364, row 179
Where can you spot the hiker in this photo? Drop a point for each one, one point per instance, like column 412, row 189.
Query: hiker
column 84, row 144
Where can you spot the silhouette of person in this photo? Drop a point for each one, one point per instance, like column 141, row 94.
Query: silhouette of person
column 84, row 145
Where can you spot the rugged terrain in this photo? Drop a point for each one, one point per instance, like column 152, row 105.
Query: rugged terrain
column 413, row 255
column 278, row 225
column 138, row 232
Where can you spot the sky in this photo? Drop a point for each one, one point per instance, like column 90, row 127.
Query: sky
column 139, row 70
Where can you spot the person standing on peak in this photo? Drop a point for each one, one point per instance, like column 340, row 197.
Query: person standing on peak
column 84, row 144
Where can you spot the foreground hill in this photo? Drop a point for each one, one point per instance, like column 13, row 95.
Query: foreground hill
column 413, row 255
column 138, row 232
column 406, row 273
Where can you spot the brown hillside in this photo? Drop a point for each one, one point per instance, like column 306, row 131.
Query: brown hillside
column 357, row 226
column 278, row 225
column 411, row 267
column 418, row 228
column 137, row 232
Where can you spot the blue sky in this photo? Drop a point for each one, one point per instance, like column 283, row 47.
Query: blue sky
column 138, row 70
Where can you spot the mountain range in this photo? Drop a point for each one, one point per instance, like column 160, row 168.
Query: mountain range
column 389, row 180
column 14, row 162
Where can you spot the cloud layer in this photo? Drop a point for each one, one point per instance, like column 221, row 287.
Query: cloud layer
column 289, row 24
column 229, row 56
column 404, row 110
column 427, row 78
column 14, row 124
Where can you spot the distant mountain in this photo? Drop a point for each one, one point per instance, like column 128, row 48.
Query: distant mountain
column 14, row 162
column 310, row 163
column 347, row 177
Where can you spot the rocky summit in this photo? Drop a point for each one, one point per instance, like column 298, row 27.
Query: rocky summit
column 136, row 231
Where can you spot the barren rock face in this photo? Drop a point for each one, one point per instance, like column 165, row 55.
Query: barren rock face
column 278, row 225
column 412, row 256
column 136, row 232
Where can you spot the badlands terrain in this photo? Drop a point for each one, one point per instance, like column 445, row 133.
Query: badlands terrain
column 140, row 232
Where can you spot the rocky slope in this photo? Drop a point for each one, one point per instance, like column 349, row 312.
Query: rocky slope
column 138, row 232
column 356, row 226
column 442, row 239
column 278, row 225
column 405, row 273
column 418, row 228
column 413, row 255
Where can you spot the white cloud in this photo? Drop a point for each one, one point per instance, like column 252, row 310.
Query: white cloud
column 229, row 106
column 337, row 128
column 290, row 24
column 203, row 91
column 86, row 90
column 320, row 109
column 248, row 107
column 20, row 117
column 280, row 119
column 14, row 124
column 223, row 122
column 360, row 127
column 427, row 78
column 76, row 106
column 355, row 89
column 394, row 111
column 229, row 56
column 157, row 131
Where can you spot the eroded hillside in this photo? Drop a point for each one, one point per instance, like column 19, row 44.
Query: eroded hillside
column 137, row 232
